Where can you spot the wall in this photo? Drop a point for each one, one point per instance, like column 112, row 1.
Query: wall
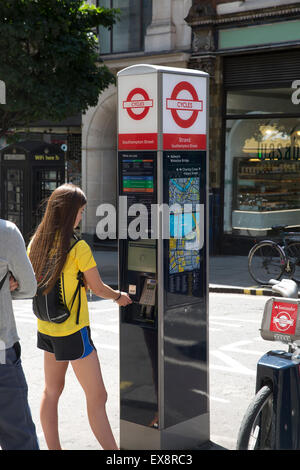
column 225, row 7
column 99, row 157
column 167, row 42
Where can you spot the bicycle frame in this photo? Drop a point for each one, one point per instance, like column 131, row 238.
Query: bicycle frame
column 282, row 245
column 290, row 239
column 271, row 420
column 286, row 250
column 278, row 368
column 281, row 369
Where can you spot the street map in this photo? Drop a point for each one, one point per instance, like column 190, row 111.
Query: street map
column 184, row 191
column 184, row 226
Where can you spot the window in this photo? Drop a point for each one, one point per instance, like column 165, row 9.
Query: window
column 127, row 35
column 262, row 161
column 258, row 101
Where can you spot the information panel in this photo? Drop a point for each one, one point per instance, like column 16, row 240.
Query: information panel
column 137, row 177
column 184, row 193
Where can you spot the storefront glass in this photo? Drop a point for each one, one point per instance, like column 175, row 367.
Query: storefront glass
column 261, row 101
column 262, row 174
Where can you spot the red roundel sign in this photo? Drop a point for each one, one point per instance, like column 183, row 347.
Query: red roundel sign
column 137, row 104
column 192, row 105
column 284, row 317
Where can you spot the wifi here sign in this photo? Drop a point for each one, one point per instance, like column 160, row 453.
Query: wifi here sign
column 179, row 115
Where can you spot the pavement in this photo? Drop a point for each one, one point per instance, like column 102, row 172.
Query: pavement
column 227, row 274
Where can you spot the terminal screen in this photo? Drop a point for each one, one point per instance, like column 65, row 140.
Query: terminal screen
column 142, row 256
column 137, row 180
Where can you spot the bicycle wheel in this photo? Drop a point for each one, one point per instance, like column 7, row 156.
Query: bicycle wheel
column 266, row 260
column 257, row 430
column 292, row 251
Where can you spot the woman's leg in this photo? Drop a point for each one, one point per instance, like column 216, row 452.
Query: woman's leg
column 54, row 383
column 88, row 373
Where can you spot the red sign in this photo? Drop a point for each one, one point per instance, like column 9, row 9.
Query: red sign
column 137, row 141
column 132, row 104
column 184, row 141
column 284, row 318
column 193, row 105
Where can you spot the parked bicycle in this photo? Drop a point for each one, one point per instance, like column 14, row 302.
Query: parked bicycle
column 269, row 259
column 271, row 421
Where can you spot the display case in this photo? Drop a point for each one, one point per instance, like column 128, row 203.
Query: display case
column 266, row 193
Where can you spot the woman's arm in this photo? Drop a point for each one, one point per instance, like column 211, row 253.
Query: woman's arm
column 97, row 286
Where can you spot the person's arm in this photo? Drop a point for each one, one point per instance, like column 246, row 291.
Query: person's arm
column 13, row 284
column 95, row 283
column 20, row 267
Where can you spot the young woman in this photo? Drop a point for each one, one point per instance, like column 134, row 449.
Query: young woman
column 53, row 259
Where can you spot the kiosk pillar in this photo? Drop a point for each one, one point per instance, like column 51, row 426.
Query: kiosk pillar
column 163, row 257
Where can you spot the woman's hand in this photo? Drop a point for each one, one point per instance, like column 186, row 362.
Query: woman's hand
column 124, row 300
column 95, row 283
column 13, row 284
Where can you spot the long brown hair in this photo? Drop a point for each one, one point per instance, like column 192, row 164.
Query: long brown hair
column 51, row 241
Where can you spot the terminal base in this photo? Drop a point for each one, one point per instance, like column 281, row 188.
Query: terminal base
column 187, row 435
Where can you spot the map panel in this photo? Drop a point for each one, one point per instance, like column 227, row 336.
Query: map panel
column 184, row 191
column 184, row 225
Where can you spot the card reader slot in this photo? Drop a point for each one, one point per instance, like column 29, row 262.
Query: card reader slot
column 142, row 289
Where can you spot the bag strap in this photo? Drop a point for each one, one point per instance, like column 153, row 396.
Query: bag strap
column 78, row 291
column 79, row 284
column 3, row 280
column 77, row 239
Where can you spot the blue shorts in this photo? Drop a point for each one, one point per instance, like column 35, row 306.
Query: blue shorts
column 67, row 348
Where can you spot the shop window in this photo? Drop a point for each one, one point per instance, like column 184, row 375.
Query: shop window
column 273, row 100
column 262, row 174
column 127, row 35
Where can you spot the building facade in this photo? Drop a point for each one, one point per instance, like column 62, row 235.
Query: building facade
column 150, row 32
column 250, row 48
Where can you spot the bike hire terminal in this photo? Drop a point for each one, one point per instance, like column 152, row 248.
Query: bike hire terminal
column 163, row 257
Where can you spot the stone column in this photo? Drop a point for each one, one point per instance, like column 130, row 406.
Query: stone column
column 160, row 34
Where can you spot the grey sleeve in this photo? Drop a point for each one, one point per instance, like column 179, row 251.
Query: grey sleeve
column 21, row 268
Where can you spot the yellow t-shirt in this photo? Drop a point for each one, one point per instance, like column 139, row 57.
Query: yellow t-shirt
column 80, row 258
